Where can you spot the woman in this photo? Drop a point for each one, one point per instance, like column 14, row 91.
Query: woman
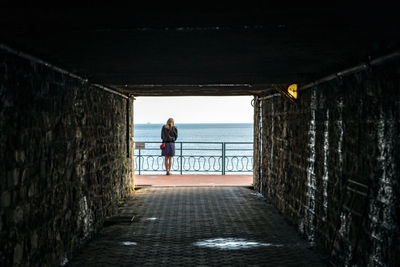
column 169, row 134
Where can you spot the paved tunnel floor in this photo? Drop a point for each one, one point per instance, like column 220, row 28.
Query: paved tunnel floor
column 197, row 226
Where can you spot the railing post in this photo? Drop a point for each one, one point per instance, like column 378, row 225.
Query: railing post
column 139, row 161
column 223, row 158
column 181, row 157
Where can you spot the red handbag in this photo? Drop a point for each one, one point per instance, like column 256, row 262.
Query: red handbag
column 163, row 144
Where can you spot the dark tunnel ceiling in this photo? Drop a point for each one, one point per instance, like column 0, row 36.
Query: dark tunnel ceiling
column 202, row 50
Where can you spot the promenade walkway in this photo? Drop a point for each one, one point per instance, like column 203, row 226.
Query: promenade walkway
column 193, row 180
column 197, row 226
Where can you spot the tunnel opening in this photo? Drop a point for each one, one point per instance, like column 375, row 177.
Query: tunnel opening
column 214, row 145
column 328, row 160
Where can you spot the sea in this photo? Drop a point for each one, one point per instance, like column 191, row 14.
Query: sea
column 198, row 132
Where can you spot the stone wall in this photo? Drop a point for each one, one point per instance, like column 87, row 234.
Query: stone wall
column 64, row 160
column 330, row 163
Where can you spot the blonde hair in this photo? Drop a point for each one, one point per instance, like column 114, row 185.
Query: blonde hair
column 170, row 122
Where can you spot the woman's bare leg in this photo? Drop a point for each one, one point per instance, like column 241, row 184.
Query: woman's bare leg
column 166, row 163
column 169, row 164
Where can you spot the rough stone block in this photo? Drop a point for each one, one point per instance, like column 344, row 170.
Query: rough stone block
column 5, row 199
column 32, row 190
column 18, row 254
column 18, row 215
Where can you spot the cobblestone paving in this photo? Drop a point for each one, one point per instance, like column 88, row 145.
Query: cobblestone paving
column 197, row 226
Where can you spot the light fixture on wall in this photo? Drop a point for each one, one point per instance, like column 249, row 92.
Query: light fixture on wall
column 290, row 93
column 292, row 90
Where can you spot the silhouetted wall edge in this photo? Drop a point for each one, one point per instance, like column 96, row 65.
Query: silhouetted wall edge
column 65, row 160
column 330, row 163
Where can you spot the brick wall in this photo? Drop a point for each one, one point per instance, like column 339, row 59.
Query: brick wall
column 330, row 163
column 64, row 162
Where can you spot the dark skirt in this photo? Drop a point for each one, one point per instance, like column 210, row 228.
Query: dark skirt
column 169, row 150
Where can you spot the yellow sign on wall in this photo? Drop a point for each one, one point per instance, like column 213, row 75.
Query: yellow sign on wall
column 292, row 90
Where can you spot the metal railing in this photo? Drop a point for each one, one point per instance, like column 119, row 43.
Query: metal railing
column 196, row 157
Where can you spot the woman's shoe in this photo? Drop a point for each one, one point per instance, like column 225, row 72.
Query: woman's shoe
column 167, row 173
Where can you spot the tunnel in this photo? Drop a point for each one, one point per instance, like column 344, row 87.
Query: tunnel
column 325, row 81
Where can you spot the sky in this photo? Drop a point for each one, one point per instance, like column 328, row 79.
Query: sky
column 215, row 109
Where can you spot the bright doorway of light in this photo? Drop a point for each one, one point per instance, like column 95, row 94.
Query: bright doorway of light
column 214, row 145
